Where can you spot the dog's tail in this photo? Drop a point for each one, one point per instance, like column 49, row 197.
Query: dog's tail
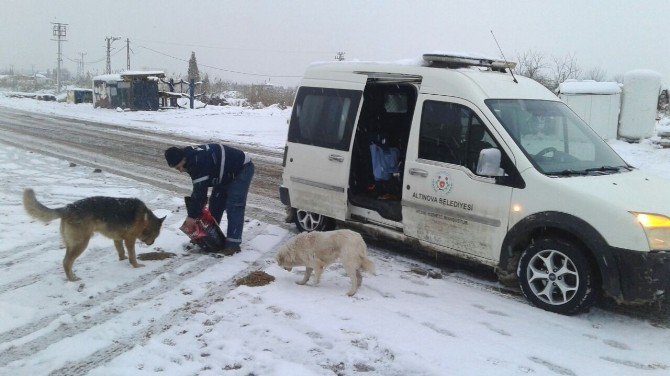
column 36, row 210
column 368, row 266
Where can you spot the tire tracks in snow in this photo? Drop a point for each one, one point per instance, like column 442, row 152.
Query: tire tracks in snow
column 162, row 324
column 36, row 277
column 107, row 306
column 20, row 251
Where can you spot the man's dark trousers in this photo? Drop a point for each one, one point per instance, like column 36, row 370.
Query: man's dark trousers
column 232, row 198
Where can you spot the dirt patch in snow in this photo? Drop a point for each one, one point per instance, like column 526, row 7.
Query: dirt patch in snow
column 254, row 279
column 152, row 256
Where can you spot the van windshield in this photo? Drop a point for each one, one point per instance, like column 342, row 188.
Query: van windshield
column 556, row 140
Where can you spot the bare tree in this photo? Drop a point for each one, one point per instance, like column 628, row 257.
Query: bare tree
column 618, row 78
column 563, row 68
column 530, row 64
column 596, row 73
column 533, row 64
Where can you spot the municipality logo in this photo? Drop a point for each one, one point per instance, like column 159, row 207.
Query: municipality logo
column 442, row 183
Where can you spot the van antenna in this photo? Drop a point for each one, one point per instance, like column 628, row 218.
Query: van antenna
column 504, row 58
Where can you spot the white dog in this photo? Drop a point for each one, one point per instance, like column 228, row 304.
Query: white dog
column 316, row 250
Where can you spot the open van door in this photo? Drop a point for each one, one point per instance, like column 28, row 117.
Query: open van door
column 318, row 155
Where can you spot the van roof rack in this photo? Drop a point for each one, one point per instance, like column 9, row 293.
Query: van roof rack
column 461, row 61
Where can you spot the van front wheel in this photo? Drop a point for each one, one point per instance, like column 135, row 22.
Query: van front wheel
column 308, row 221
column 555, row 275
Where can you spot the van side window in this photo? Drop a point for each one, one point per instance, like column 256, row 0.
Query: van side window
column 324, row 117
column 452, row 133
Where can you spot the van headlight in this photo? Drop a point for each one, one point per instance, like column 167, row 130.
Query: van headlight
column 657, row 229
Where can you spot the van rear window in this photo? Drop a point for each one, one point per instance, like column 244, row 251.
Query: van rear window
column 324, row 117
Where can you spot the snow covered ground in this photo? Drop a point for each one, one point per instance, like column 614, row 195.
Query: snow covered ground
column 186, row 316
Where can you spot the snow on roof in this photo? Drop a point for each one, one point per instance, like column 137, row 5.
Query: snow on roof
column 589, row 87
column 463, row 54
column 128, row 74
column 108, row 77
column 156, row 73
column 642, row 74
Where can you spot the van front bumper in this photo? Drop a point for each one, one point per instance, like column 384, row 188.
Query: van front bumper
column 644, row 277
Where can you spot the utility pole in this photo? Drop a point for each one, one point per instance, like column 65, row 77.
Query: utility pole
column 127, row 53
column 339, row 56
column 109, row 46
column 80, row 65
column 59, row 32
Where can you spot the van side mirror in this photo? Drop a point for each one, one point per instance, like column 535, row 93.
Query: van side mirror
column 489, row 163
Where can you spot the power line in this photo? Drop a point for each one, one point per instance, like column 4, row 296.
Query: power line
column 234, row 48
column 117, row 51
column 221, row 69
column 88, row 62
column 96, row 61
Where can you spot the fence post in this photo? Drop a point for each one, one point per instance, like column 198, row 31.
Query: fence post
column 191, row 90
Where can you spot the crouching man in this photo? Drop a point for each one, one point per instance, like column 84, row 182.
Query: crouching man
column 229, row 172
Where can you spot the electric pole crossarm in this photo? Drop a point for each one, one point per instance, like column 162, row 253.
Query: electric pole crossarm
column 59, row 31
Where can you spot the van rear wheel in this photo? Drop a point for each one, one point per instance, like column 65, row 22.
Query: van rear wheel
column 308, row 221
column 555, row 275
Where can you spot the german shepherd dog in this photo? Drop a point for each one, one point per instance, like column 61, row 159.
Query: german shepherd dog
column 123, row 220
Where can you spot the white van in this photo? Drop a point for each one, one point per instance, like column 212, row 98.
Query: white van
column 456, row 155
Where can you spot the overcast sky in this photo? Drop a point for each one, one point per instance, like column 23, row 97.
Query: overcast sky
column 277, row 39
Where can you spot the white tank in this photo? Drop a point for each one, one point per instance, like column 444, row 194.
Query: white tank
column 639, row 99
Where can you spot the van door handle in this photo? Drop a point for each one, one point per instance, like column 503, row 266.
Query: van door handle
column 418, row 171
column 336, row 158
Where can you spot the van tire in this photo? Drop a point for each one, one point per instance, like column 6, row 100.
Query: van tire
column 563, row 264
column 308, row 221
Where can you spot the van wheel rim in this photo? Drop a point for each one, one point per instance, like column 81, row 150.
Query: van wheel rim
column 309, row 221
column 552, row 277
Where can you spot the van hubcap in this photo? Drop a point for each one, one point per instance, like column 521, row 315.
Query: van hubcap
column 553, row 277
column 309, row 221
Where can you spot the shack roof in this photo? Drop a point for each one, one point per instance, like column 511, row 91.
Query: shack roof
column 140, row 74
column 589, row 87
column 129, row 75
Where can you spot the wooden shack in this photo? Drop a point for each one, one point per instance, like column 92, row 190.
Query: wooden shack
column 78, row 95
column 134, row 90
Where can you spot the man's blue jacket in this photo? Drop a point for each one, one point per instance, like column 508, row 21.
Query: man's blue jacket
column 210, row 165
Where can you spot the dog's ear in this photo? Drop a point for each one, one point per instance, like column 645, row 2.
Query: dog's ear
column 162, row 219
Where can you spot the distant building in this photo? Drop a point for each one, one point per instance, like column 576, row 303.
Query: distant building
column 135, row 90
column 597, row 103
column 41, row 79
column 77, row 95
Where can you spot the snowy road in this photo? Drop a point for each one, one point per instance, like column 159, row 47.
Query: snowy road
column 132, row 153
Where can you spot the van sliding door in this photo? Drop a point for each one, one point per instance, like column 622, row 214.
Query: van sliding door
column 319, row 144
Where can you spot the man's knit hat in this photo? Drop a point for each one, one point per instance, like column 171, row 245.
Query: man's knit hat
column 174, row 155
